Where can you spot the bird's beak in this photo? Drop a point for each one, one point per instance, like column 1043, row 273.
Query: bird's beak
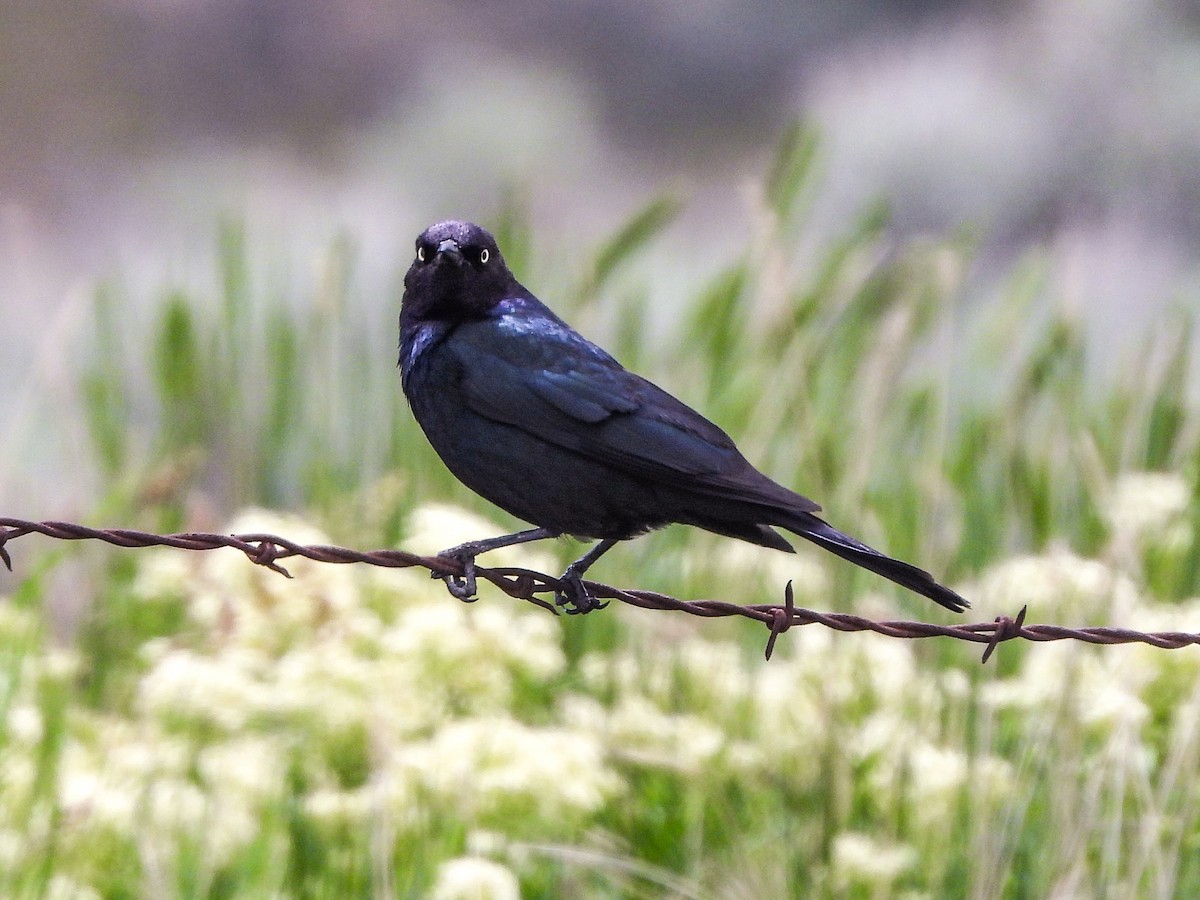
column 448, row 250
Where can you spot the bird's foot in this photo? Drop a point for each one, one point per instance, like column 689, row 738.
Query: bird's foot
column 461, row 586
column 573, row 596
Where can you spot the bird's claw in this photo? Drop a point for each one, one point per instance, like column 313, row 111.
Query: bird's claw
column 461, row 586
column 573, row 597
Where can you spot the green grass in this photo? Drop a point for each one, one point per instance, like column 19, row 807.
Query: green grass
column 216, row 731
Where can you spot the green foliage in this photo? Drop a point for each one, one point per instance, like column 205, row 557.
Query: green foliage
column 791, row 170
column 629, row 240
column 105, row 389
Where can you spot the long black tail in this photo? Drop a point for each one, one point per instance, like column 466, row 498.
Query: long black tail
column 825, row 535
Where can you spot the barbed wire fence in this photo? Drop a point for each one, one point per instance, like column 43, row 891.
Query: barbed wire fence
column 525, row 584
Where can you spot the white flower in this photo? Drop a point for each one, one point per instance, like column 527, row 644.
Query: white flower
column 625, row 672
column 1098, row 689
column 60, row 887
column 886, row 668
column 107, row 780
column 389, row 590
column 249, row 767
column 174, row 806
column 128, row 806
column 464, row 658
column 138, row 784
column 245, row 604
column 636, row 728
column 1109, row 705
column 57, row 663
column 1056, row 586
column 992, row 781
column 938, row 778
column 937, row 770
column 14, row 848
column 85, row 794
column 24, row 724
column 1176, row 672
column 755, row 569
column 226, row 691
column 711, row 678
column 434, row 527
column 718, row 680
column 885, row 734
column 488, row 766
column 583, row 714
column 474, row 878
column 859, row 859
column 791, row 722
column 339, row 808
column 954, row 684
column 481, row 842
column 324, row 687
column 165, row 574
column 140, row 752
column 1146, row 505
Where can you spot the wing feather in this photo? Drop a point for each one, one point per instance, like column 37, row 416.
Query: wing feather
column 570, row 393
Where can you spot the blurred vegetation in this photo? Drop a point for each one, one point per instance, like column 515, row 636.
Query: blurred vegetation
column 622, row 754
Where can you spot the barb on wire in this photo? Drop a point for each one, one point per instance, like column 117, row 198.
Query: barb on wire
column 524, row 584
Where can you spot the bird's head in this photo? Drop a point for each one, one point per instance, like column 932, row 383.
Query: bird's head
column 458, row 273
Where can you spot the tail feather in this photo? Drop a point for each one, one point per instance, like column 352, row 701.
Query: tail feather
column 825, row 535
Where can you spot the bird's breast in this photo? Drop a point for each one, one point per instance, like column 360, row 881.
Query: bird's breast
column 415, row 342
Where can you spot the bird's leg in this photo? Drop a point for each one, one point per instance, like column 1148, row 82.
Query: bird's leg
column 574, row 595
column 463, row 586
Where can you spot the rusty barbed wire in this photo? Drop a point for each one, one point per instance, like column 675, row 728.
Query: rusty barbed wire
column 526, row 584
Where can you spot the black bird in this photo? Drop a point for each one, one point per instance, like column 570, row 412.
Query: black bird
column 540, row 421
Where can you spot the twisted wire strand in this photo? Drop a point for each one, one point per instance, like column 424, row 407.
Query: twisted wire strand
column 525, row 584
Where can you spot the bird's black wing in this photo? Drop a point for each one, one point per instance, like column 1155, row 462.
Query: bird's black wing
column 540, row 376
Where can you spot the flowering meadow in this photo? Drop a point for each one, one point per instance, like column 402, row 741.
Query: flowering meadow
column 356, row 730
column 207, row 728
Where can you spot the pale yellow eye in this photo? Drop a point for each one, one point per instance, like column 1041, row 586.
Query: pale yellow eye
column 484, row 255
column 421, row 254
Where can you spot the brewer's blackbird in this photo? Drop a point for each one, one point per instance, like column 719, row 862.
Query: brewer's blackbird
column 540, row 421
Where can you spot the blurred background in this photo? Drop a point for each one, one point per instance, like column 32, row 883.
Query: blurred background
column 128, row 127
column 1074, row 122
column 933, row 263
